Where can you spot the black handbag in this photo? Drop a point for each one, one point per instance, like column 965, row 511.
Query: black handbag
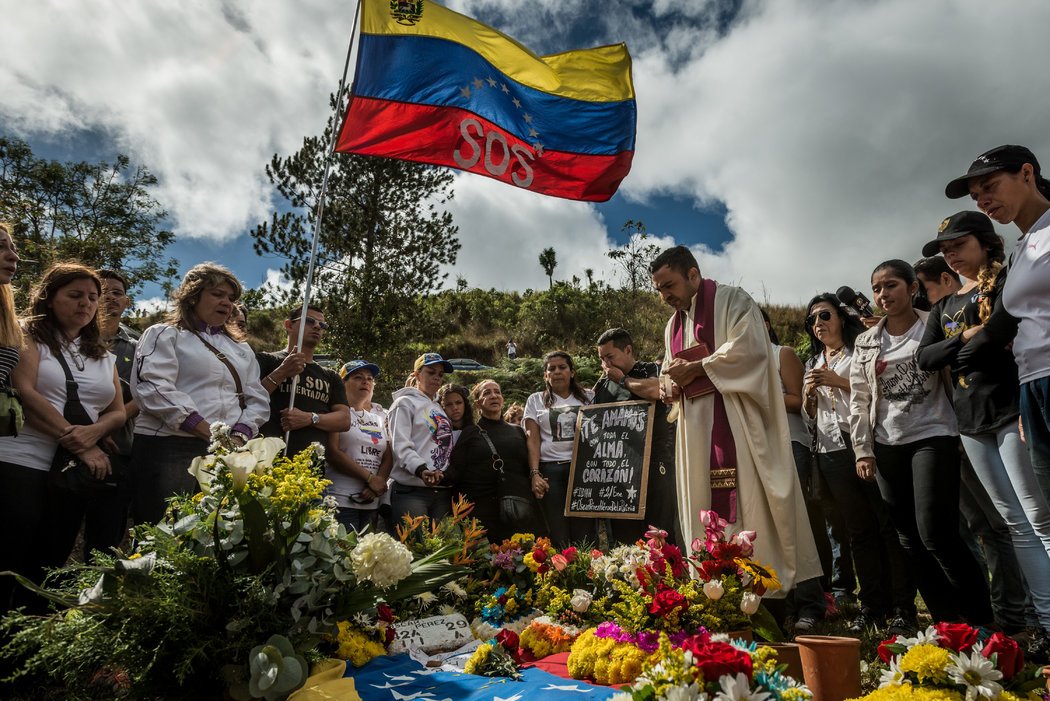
column 514, row 509
column 68, row 472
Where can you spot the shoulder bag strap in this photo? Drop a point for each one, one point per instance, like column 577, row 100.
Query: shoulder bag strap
column 497, row 461
column 72, row 389
column 229, row 366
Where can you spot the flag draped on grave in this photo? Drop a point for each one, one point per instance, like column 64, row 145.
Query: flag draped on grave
column 401, row 678
column 437, row 87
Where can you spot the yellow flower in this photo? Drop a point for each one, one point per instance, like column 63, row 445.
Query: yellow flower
column 477, row 661
column 927, row 662
column 907, row 692
column 355, row 646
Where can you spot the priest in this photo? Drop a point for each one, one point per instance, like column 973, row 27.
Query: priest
column 733, row 448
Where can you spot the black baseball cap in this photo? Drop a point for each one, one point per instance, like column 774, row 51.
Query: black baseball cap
column 999, row 158
column 958, row 225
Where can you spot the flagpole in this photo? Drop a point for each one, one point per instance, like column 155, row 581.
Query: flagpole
column 334, row 136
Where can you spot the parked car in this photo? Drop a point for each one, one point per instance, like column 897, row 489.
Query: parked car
column 468, row 364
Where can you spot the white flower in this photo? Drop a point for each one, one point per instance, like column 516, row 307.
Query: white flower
column 203, row 470
column 738, row 689
column 220, row 436
column 749, row 603
column 265, row 450
column 930, row 636
column 318, row 450
column 977, row 673
column 684, row 693
column 380, row 559
column 892, row 676
column 455, row 590
column 447, row 610
column 581, row 600
column 240, row 464
column 425, row 599
column 714, row 589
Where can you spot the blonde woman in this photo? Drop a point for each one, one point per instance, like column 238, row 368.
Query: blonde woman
column 191, row 371
column 10, row 334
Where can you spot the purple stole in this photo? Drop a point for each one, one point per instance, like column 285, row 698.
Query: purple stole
column 723, row 448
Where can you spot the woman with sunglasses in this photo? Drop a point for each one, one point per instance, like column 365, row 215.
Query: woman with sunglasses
column 985, row 393
column 1007, row 184
column 905, row 436
column 490, row 462
column 886, row 590
column 359, row 460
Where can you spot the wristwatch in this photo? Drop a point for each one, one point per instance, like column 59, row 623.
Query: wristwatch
column 622, row 381
column 314, row 418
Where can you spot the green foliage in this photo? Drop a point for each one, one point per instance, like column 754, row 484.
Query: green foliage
column 102, row 214
column 635, row 255
column 549, row 261
column 383, row 243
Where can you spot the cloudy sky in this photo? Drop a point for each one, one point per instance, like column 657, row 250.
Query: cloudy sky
column 794, row 143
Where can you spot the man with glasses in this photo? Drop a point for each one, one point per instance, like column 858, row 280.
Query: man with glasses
column 320, row 399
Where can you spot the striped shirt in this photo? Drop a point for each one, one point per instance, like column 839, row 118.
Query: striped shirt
column 8, row 360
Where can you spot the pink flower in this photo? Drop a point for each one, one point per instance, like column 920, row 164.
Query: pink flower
column 559, row 562
column 744, row 540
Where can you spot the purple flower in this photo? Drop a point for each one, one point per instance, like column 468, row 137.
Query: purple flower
column 504, row 560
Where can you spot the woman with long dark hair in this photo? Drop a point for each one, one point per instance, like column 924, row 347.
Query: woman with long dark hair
column 455, row 402
column 905, row 436
column 1007, row 184
column 886, row 590
column 63, row 332
column 985, row 393
column 550, row 425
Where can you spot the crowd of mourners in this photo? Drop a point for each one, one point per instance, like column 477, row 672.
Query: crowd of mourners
column 921, row 433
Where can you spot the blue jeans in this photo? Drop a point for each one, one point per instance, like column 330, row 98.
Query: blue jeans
column 1002, row 464
column 357, row 519
column 1035, row 413
column 407, row 500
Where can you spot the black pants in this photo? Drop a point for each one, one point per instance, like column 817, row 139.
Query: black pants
column 159, row 471
column 880, row 563
column 661, row 506
column 23, row 526
column 564, row 530
column 919, row 482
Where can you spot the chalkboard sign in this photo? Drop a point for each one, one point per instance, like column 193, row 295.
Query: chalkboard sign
column 610, row 460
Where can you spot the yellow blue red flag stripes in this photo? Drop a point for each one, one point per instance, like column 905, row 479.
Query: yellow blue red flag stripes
column 437, row 87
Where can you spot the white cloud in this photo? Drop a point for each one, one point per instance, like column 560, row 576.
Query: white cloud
column 150, row 305
column 828, row 128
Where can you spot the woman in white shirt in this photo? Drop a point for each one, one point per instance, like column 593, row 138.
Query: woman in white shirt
column 550, row 426
column 359, row 460
column 886, row 589
column 183, row 386
column 1007, row 184
column 905, row 437
column 39, row 524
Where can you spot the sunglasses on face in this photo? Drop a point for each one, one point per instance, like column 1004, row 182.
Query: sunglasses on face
column 823, row 315
column 310, row 321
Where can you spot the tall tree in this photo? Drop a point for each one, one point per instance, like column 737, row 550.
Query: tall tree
column 102, row 214
column 635, row 255
column 549, row 261
column 385, row 236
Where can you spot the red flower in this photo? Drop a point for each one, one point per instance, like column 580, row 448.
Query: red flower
column 385, row 613
column 543, row 569
column 667, row 601
column 717, row 659
column 885, row 653
column 1009, row 659
column 389, row 635
column 596, row 553
column 508, row 639
column 539, row 555
column 569, row 554
column 956, row 636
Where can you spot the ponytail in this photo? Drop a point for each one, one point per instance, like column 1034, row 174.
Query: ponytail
column 985, row 284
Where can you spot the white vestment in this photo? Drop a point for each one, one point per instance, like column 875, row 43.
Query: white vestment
column 769, row 497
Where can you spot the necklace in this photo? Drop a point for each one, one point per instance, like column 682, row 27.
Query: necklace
column 831, row 360
column 74, row 354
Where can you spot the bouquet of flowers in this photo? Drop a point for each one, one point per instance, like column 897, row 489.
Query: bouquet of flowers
column 702, row 668
column 543, row 637
column 496, row 658
column 955, row 661
column 257, row 555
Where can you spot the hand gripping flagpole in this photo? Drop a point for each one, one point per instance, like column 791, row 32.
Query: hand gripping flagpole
column 330, row 150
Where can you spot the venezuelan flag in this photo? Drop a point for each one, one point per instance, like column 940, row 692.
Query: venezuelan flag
column 437, row 87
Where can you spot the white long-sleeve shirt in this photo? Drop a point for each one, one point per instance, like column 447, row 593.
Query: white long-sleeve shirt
column 179, row 382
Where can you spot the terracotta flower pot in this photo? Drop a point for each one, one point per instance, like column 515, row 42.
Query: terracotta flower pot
column 831, row 666
column 789, row 654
